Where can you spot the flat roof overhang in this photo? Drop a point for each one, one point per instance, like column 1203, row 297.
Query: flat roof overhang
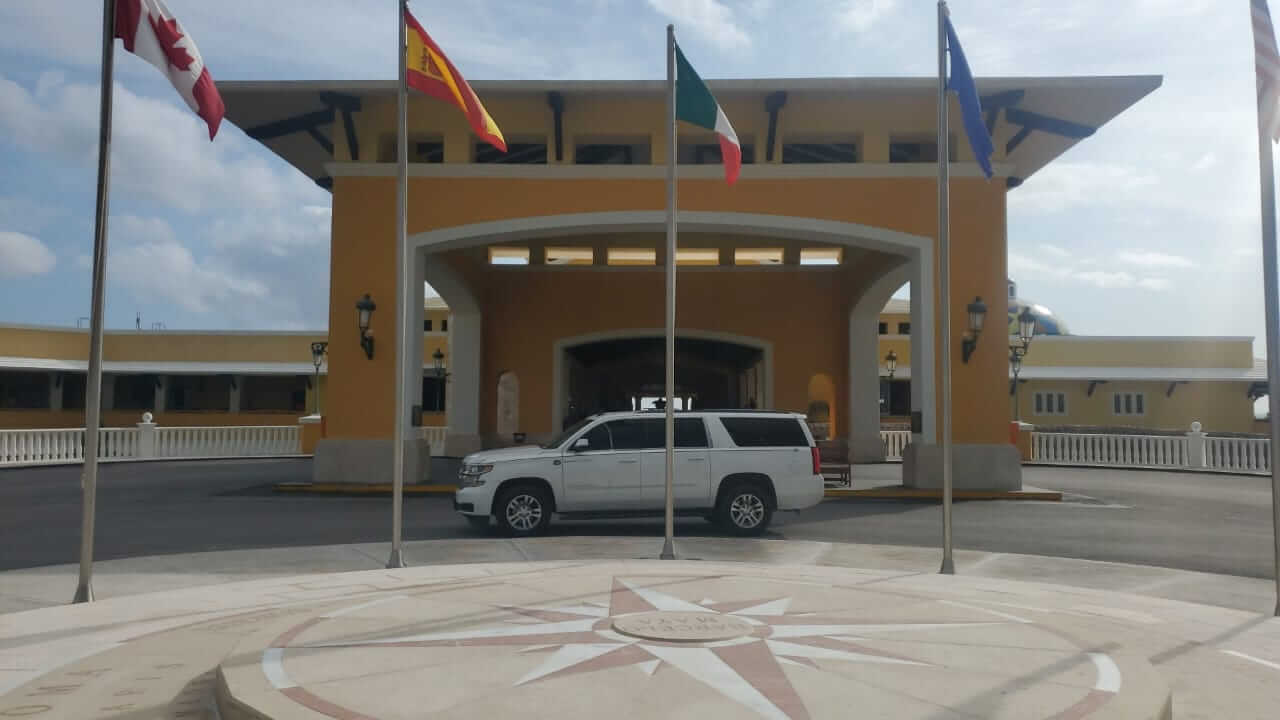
column 1036, row 119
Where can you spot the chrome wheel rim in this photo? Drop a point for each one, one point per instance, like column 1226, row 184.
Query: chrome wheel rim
column 746, row 511
column 524, row 512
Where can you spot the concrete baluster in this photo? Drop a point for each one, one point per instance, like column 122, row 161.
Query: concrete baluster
column 1196, row 447
column 147, row 437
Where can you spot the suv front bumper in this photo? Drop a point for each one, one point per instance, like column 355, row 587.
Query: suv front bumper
column 473, row 500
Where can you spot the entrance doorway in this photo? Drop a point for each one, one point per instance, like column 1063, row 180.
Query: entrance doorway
column 630, row 374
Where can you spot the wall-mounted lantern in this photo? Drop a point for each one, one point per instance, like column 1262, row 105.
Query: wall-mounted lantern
column 364, row 312
column 977, row 316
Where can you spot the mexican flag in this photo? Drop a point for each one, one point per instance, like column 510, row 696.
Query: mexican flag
column 696, row 105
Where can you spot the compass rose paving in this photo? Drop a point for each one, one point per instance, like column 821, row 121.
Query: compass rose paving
column 679, row 640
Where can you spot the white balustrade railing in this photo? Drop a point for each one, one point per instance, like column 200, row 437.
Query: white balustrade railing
column 236, row 441
column 895, row 442
column 146, row 441
column 1246, row 454
column 1194, row 450
column 435, row 436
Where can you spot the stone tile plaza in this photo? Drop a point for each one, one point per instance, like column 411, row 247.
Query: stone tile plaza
column 829, row 386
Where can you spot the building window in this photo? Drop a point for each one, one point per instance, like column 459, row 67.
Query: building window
column 518, row 153
column 24, row 390
column 820, row 256
column 193, row 393
column 601, row 151
column 916, row 150
column 570, row 256
column 1129, row 403
column 757, row 256
column 434, row 393
column 884, row 328
column 421, row 149
column 508, row 255
column 426, row 325
column 904, row 328
column 697, row 256
column 444, row 325
column 1051, row 403
column 709, row 154
column 632, row 256
column 809, row 153
column 273, row 393
column 135, row 392
column 73, row 391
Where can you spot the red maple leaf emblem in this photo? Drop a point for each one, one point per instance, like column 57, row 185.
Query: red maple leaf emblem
column 168, row 34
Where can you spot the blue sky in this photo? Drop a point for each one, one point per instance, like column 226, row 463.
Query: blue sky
column 1150, row 227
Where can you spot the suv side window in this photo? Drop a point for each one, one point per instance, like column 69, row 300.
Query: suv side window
column 691, row 433
column 635, row 434
column 765, row 432
column 597, row 439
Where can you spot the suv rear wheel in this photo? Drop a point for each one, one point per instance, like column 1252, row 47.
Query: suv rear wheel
column 523, row 510
column 745, row 509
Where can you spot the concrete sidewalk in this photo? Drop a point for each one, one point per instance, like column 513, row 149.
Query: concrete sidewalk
column 569, row 625
column 54, row 585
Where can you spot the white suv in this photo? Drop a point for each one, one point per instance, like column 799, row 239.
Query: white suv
column 733, row 466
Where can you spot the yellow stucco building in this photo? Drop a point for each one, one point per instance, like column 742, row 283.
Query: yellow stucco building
column 550, row 256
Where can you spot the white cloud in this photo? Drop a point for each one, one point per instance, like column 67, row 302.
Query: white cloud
column 1155, row 284
column 151, row 263
column 1150, row 258
column 159, row 148
column 1068, row 185
column 859, row 15
column 1054, row 250
column 22, row 255
column 1105, row 279
column 710, row 19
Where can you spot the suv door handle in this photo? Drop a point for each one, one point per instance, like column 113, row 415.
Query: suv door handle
column 697, row 459
column 627, row 462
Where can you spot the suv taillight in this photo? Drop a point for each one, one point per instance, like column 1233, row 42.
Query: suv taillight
column 817, row 461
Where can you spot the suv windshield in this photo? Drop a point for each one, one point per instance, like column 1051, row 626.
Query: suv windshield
column 567, row 433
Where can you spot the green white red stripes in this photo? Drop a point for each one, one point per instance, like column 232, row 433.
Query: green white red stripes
column 696, row 105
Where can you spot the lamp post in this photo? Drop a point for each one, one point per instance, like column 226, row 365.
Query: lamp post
column 318, row 350
column 437, row 365
column 891, row 365
column 1017, row 351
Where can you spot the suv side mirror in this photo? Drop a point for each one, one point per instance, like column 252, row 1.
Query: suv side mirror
column 580, row 445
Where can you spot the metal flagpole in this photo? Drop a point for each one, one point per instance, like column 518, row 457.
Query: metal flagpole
column 668, row 546
column 402, row 301
column 93, row 387
column 1267, row 175
column 944, row 285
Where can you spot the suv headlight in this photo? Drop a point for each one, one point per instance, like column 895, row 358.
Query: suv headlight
column 472, row 475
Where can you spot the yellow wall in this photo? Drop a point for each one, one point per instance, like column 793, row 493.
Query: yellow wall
column 363, row 261
column 1218, row 406
column 160, row 346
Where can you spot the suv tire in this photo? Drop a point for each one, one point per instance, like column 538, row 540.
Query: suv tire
column 745, row 509
column 523, row 510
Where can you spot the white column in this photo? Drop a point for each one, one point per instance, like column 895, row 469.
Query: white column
column 463, row 393
column 923, row 340
column 233, row 404
column 161, row 382
column 146, row 437
column 863, row 426
column 1196, row 447
column 55, row 391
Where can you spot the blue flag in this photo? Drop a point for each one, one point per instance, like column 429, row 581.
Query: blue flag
column 961, row 82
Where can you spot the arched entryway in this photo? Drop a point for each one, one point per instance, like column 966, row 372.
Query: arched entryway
column 626, row 370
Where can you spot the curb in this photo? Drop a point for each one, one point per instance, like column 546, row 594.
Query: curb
column 887, row 493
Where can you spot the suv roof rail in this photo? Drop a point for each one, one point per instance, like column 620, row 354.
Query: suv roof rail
column 744, row 411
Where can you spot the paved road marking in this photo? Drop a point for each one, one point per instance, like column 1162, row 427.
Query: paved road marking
column 997, row 613
column 1108, row 673
column 274, row 669
column 362, row 606
column 1250, row 658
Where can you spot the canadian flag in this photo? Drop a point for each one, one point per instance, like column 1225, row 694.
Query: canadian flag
column 151, row 32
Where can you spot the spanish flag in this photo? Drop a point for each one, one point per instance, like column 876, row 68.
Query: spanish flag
column 429, row 71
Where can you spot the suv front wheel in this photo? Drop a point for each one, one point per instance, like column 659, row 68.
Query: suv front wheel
column 523, row 510
column 745, row 510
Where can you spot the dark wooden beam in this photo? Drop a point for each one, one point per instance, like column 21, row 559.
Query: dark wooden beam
column 1094, row 384
column 772, row 104
column 321, row 139
column 348, row 104
column 288, row 126
column 325, row 182
column 1016, row 140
